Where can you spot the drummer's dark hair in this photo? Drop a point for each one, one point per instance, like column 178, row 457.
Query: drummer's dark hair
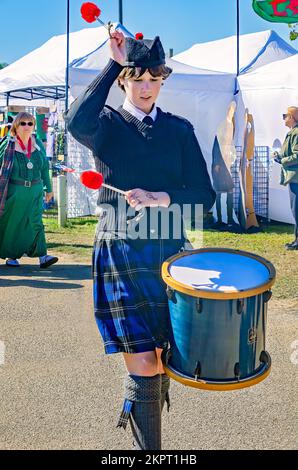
column 136, row 72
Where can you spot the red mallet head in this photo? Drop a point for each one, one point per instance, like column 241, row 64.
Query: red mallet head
column 90, row 12
column 91, row 179
column 139, row 36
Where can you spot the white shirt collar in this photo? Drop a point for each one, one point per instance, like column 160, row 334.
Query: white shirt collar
column 136, row 112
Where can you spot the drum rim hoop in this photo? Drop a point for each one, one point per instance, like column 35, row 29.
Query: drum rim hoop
column 224, row 386
column 207, row 294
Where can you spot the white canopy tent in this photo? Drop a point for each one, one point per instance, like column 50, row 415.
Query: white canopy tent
column 200, row 96
column 44, row 68
column 267, row 93
column 256, row 50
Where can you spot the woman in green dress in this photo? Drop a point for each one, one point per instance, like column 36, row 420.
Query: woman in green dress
column 24, row 172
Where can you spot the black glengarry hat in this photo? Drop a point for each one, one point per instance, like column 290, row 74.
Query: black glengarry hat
column 145, row 53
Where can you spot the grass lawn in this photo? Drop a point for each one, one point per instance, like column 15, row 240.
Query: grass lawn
column 77, row 239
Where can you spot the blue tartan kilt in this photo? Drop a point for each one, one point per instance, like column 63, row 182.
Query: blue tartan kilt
column 130, row 301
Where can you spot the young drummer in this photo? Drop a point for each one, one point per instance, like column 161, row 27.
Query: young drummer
column 155, row 157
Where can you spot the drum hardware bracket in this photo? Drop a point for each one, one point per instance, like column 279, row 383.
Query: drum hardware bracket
column 264, row 357
column 267, row 296
column 240, row 306
column 198, row 371
column 166, row 356
column 201, row 381
column 237, row 371
column 171, row 294
column 199, row 305
column 252, row 336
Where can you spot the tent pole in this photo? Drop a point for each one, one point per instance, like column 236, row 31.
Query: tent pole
column 238, row 35
column 120, row 12
column 62, row 192
column 67, row 58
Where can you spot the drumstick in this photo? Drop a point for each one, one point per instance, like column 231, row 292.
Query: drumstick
column 94, row 180
column 90, row 13
column 112, row 188
column 90, row 178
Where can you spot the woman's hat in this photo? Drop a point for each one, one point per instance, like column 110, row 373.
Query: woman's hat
column 145, row 53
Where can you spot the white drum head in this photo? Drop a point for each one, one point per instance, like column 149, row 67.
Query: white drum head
column 219, row 271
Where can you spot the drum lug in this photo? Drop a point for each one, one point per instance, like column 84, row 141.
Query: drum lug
column 198, row 371
column 237, row 370
column 166, row 356
column 171, row 294
column 199, row 305
column 240, row 306
column 264, row 357
column 267, row 296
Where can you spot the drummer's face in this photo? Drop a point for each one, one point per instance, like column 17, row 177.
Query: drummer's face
column 143, row 91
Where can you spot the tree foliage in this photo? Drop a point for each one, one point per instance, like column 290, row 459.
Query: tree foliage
column 294, row 31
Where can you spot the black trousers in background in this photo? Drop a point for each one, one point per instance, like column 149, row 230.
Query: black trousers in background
column 293, row 191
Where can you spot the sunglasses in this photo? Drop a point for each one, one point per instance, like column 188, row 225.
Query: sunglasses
column 23, row 123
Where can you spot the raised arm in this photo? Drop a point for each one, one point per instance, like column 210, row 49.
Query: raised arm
column 84, row 117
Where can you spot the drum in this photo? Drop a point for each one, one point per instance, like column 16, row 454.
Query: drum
column 218, row 309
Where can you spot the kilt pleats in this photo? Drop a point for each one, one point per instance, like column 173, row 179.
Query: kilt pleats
column 130, row 301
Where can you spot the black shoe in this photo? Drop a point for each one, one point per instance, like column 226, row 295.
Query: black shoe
column 219, row 226
column 12, row 263
column 234, row 228
column 292, row 246
column 253, row 229
column 48, row 262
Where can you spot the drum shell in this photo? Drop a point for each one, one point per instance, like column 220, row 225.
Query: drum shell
column 220, row 339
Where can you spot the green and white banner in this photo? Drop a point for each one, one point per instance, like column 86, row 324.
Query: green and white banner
column 279, row 11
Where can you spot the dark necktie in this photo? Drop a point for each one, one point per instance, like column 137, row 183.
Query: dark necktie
column 148, row 120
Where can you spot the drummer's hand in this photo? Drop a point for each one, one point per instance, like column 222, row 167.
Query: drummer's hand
column 48, row 197
column 136, row 197
column 117, row 47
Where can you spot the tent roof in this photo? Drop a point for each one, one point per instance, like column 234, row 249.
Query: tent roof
column 85, row 69
column 281, row 74
column 42, row 71
column 256, row 49
column 185, row 77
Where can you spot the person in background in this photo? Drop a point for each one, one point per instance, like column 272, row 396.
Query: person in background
column 24, row 172
column 288, row 158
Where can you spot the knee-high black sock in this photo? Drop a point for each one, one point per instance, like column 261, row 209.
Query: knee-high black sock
column 142, row 407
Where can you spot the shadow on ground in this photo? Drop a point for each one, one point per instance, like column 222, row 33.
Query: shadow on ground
column 53, row 245
column 51, row 278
